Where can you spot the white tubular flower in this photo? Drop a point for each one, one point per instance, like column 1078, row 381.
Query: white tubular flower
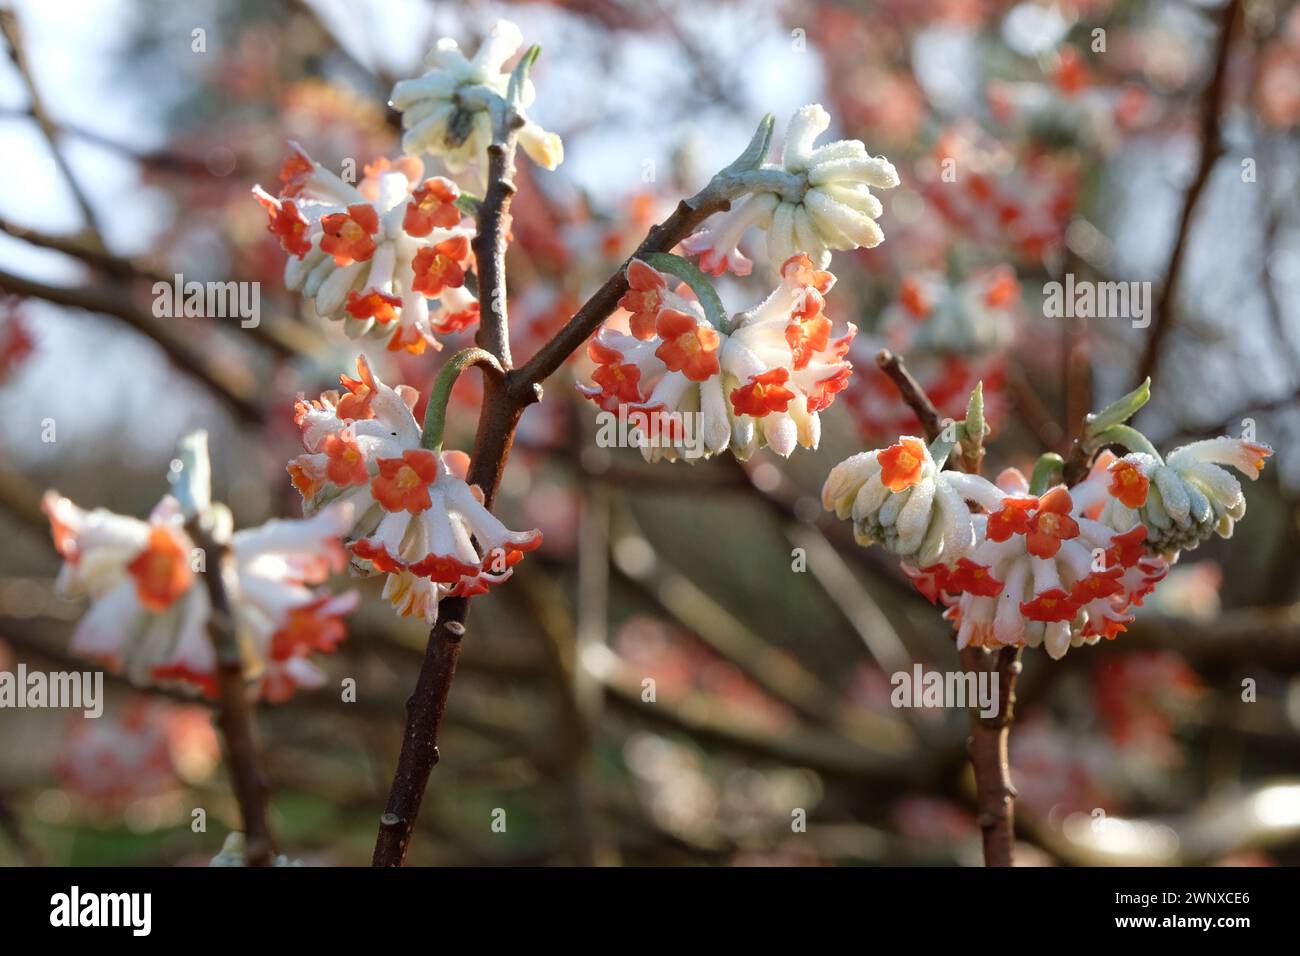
column 1187, row 498
column 149, row 612
column 448, row 110
column 691, row 390
column 819, row 200
column 415, row 517
column 898, row 497
column 372, row 256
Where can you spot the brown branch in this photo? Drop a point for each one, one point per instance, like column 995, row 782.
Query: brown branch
column 234, row 715
column 912, row 392
column 684, row 220
column 995, row 796
column 234, row 387
column 290, row 342
column 1211, row 149
column 504, row 401
column 497, row 422
column 49, row 129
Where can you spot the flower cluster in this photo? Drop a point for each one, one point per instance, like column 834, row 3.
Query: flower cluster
column 1187, row 498
column 414, row 516
column 150, row 610
column 818, row 199
column 955, row 331
column 900, row 498
column 980, row 188
column 373, row 255
column 760, row 380
column 1024, row 570
column 449, row 110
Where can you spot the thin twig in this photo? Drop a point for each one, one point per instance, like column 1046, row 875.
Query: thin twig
column 1211, row 149
column 234, row 715
column 987, row 746
column 233, row 386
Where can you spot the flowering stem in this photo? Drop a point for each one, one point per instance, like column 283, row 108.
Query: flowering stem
column 435, row 413
column 505, row 396
column 234, row 716
column 192, row 486
column 994, row 795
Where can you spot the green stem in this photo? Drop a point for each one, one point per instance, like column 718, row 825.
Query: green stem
column 435, row 413
column 1048, row 471
column 1125, row 435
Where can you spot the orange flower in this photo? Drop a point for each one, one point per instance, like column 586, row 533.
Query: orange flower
column 1126, row 549
column 441, row 266
column 824, row 391
column 432, row 205
column 619, row 381
column 296, row 169
column 1012, row 518
column 914, row 300
column 1003, row 290
column 807, row 337
column 1257, row 453
column 1128, row 484
column 1052, row 524
column 931, row 581
column 689, row 346
column 443, row 568
column 306, row 476
column 347, row 466
column 356, row 404
column 408, row 166
column 901, row 464
column 403, row 483
column 286, row 223
column 376, row 305
column 800, row 270
column 307, row 629
column 1052, row 605
column 407, row 338
column 1071, row 75
column 456, row 321
column 644, row 298
column 1098, row 584
column 766, row 392
column 347, row 235
column 973, row 578
column 162, row 570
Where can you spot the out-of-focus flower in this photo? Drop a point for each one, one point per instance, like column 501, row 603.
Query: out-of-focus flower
column 821, row 201
column 373, row 255
column 150, row 748
column 1187, row 498
column 415, row 518
column 955, row 333
column 448, row 110
column 149, row 613
column 1069, row 109
column 691, row 390
column 993, row 197
column 899, row 498
column 15, row 341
